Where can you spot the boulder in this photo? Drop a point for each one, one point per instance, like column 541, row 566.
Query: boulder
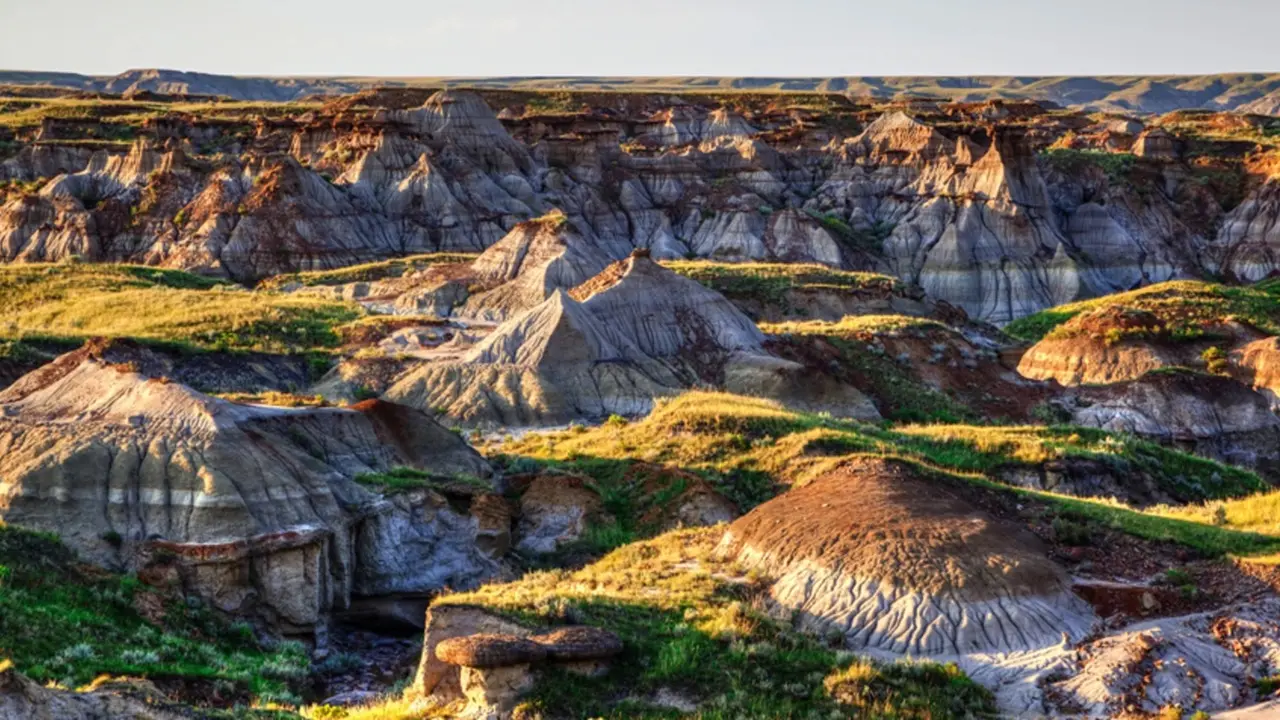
column 496, row 670
column 579, row 642
column 438, row 679
column 486, row 651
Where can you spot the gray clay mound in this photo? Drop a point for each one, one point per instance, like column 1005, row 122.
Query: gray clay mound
column 902, row 565
column 669, row 316
column 260, row 502
column 526, row 266
column 551, row 365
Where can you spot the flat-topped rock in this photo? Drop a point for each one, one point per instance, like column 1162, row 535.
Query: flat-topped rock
column 579, row 642
column 490, row 651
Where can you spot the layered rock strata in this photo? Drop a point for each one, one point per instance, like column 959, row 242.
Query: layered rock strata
column 256, row 508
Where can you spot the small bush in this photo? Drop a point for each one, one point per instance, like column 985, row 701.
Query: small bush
column 1071, row 533
column 1215, row 360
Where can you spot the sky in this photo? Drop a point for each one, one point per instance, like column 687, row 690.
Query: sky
column 777, row 38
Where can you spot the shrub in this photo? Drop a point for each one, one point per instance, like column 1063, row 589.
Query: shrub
column 1220, row 516
column 1071, row 533
column 1215, row 360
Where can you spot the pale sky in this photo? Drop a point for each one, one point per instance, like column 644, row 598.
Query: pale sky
column 643, row 37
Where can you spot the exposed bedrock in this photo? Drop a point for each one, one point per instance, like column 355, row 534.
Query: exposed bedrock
column 1258, row 364
column 972, row 213
column 1203, row 662
column 629, row 335
column 896, row 563
column 1208, row 415
column 1112, row 344
column 24, row 699
column 254, row 507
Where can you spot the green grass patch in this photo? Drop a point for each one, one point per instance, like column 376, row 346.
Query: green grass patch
column 61, row 622
column 751, row 449
column 689, row 626
column 74, row 301
column 770, row 283
column 406, row 479
column 900, row 396
column 1186, row 307
column 1117, row 166
column 870, row 240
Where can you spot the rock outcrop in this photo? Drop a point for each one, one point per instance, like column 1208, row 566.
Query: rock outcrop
column 445, row 176
column 637, row 331
column 1106, row 345
column 555, row 510
column 960, row 200
column 23, row 699
column 1207, row 415
column 259, row 505
column 476, row 663
column 1199, row 663
column 531, row 262
column 550, row 365
column 1258, row 364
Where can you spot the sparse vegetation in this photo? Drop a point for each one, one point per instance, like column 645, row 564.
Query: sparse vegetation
column 404, row 479
column 902, row 397
column 1117, row 166
column 1215, row 360
column 126, row 117
column 63, row 623
column 870, row 240
column 770, row 282
column 690, row 625
column 368, row 272
column 750, row 449
column 852, row 325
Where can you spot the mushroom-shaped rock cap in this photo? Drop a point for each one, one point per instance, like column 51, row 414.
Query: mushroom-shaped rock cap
column 579, row 642
column 489, row 651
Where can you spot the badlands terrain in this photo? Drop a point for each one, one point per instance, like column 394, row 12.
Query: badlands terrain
column 715, row 401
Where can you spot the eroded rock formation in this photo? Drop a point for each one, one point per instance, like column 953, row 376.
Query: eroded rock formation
column 259, row 506
column 897, row 566
column 1207, row 415
column 636, row 332
column 967, row 202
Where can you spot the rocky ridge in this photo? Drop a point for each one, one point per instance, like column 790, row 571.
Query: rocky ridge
column 999, row 209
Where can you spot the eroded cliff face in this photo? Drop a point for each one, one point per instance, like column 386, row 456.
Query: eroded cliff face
column 999, row 209
column 255, row 508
